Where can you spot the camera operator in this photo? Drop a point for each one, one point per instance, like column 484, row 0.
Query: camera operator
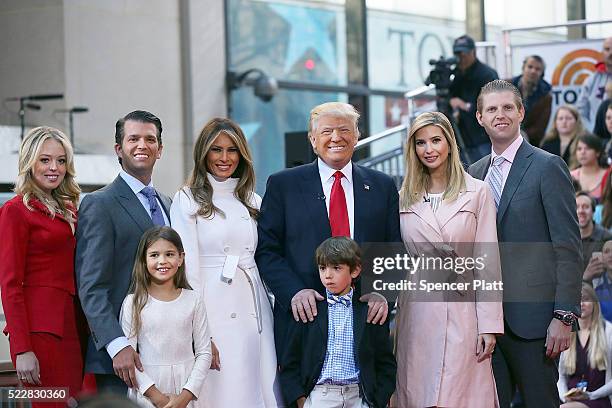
column 470, row 76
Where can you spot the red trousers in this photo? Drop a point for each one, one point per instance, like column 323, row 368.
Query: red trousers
column 60, row 359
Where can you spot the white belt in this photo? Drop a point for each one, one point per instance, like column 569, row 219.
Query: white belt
column 229, row 265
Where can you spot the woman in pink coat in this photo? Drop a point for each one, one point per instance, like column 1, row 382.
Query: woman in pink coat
column 445, row 338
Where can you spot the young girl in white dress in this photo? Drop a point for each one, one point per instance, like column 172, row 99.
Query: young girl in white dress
column 165, row 321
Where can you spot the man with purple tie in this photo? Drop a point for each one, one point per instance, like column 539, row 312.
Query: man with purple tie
column 111, row 222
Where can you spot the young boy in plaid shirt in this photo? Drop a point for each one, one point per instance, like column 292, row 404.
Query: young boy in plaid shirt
column 338, row 360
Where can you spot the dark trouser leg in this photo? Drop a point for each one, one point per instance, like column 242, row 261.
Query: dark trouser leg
column 529, row 368
column 110, row 384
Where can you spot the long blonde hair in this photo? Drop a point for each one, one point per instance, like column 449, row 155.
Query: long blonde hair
column 598, row 347
column 198, row 182
column 141, row 279
column 553, row 133
column 67, row 192
column 416, row 177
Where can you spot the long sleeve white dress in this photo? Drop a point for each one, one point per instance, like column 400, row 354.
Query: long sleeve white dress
column 220, row 263
column 174, row 346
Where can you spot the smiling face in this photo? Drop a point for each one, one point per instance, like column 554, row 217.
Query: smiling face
column 139, row 149
column 431, row 147
column 49, row 169
column 334, row 140
column 223, row 157
column 501, row 118
column 163, row 261
column 565, row 122
column 338, row 278
column 584, row 210
column 585, row 155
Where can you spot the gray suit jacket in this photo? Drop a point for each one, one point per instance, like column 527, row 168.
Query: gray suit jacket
column 111, row 222
column 539, row 239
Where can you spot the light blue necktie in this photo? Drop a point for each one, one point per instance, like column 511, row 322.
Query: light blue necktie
column 496, row 179
column 156, row 211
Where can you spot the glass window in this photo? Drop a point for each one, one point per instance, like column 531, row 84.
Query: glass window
column 403, row 36
column 265, row 124
column 289, row 40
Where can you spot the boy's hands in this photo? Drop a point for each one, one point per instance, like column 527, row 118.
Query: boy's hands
column 304, row 305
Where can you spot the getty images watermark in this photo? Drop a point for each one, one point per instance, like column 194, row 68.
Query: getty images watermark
column 455, row 272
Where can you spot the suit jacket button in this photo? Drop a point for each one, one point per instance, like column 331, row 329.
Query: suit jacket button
column 233, row 315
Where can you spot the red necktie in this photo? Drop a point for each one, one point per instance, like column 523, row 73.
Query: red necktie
column 338, row 214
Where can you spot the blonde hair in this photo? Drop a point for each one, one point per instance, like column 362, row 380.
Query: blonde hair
column 339, row 109
column 553, row 133
column 141, row 278
column 67, row 192
column 416, row 177
column 198, row 182
column 598, row 347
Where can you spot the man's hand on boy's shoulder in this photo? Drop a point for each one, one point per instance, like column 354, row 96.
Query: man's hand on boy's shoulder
column 378, row 308
column 304, row 305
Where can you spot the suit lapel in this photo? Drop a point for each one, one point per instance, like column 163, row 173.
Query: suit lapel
column 322, row 321
column 131, row 204
column 423, row 210
column 166, row 203
column 521, row 163
column 447, row 210
column 362, row 192
column 359, row 317
column 314, row 198
column 480, row 172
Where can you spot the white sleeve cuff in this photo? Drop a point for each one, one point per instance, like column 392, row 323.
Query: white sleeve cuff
column 115, row 346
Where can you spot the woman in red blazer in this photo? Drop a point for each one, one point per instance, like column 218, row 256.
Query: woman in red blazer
column 37, row 270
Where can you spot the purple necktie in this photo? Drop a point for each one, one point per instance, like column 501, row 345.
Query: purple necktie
column 156, row 211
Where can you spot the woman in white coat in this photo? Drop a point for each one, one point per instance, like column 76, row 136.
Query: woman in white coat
column 215, row 214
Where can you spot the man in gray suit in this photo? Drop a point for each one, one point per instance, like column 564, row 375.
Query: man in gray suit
column 540, row 250
column 111, row 222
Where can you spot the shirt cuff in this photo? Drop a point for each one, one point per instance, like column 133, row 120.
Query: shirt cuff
column 115, row 346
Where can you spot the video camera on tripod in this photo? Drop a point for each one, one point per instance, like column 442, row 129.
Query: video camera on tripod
column 441, row 75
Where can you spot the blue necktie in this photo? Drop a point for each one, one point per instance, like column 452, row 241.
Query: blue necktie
column 156, row 211
column 496, row 178
column 344, row 299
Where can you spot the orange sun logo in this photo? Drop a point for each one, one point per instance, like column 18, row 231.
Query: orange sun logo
column 575, row 67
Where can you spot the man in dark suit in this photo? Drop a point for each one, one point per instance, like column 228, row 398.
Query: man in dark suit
column 305, row 205
column 111, row 222
column 540, row 250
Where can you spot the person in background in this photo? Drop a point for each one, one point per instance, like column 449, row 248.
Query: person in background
column 561, row 139
column 603, row 118
column 592, row 91
column 537, row 98
column 44, row 321
column 470, row 75
column 592, row 235
column 585, row 368
column 603, row 210
column 216, row 216
column 603, row 283
column 593, row 165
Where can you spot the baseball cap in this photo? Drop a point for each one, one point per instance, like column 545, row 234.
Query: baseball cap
column 464, row 43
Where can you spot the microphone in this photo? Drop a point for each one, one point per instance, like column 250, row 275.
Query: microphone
column 36, row 97
column 426, row 199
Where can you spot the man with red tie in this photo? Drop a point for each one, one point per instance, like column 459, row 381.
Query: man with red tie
column 303, row 206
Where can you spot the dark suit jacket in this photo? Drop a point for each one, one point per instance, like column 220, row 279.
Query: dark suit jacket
column 294, row 221
column 540, row 246
column 111, row 222
column 307, row 345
